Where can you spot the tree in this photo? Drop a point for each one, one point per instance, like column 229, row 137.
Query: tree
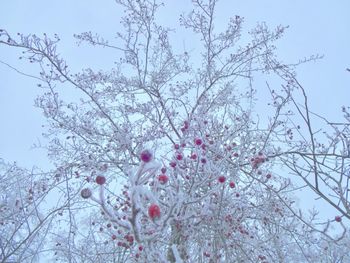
column 23, row 222
column 168, row 147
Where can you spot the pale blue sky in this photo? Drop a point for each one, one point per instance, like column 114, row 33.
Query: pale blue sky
column 316, row 27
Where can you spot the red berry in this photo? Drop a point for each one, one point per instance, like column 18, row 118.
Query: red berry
column 163, row 179
column 129, row 238
column 337, row 219
column 146, row 156
column 100, row 180
column 114, row 237
column 203, row 160
column 268, row 176
column 232, row 184
column 198, row 141
column 222, row 179
column 173, row 164
column 163, row 170
column 140, row 248
column 179, row 157
column 194, row 156
column 154, row 211
column 176, row 146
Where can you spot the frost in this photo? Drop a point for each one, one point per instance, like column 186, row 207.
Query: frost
column 176, row 254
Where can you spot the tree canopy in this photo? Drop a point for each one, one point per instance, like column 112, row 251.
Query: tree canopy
column 166, row 157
